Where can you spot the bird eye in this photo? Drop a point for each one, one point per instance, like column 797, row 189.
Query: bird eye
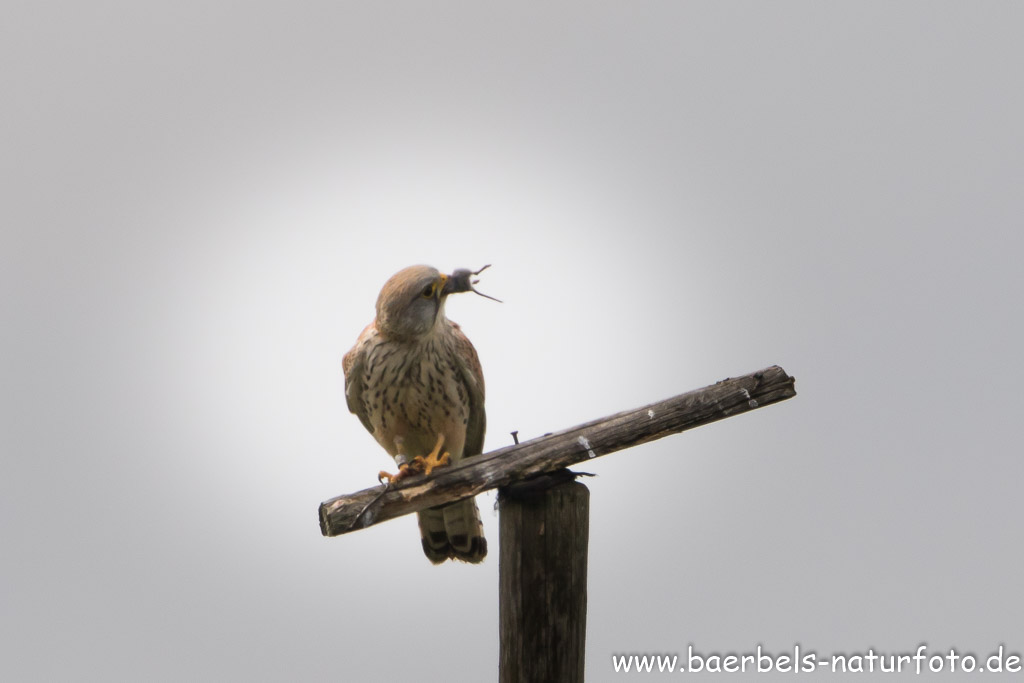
column 428, row 292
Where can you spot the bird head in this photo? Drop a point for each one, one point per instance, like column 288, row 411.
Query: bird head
column 411, row 302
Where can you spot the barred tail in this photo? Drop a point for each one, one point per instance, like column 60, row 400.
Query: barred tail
column 453, row 531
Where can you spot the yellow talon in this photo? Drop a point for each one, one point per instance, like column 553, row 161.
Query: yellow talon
column 418, row 465
column 403, row 472
column 435, row 458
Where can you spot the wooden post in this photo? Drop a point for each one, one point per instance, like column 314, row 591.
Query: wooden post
column 543, row 582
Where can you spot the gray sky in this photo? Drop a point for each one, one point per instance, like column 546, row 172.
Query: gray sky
column 202, row 200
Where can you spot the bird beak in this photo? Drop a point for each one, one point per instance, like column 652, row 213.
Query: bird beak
column 444, row 283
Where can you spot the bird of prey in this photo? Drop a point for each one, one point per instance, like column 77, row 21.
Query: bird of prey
column 414, row 380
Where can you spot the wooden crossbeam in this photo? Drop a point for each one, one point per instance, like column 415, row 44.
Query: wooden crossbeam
column 556, row 451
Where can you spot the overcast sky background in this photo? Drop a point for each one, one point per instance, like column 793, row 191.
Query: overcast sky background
column 201, row 201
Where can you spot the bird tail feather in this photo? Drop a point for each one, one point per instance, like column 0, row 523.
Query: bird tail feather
column 453, row 531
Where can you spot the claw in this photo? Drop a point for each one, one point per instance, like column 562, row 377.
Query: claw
column 403, row 472
column 433, row 461
column 419, row 465
column 435, row 458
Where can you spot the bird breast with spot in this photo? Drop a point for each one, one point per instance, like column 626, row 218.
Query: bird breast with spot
column 414, row 394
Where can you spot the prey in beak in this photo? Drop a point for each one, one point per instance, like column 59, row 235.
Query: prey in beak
column 461, row 281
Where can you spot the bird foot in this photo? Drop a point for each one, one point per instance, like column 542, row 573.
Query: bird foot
column 419, row 465
column 402, row 473
column 432, row 461
column 434, row 458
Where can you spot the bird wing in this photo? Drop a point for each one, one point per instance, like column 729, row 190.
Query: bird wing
column 353, row 364
column 473, row 378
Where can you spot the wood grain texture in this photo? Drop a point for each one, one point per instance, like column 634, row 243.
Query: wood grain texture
column 556, row 451
column 542, row 575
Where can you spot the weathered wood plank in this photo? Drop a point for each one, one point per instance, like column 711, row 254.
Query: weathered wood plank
column 557, row 451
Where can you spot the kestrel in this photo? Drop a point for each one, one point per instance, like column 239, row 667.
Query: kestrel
column 415, row 382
